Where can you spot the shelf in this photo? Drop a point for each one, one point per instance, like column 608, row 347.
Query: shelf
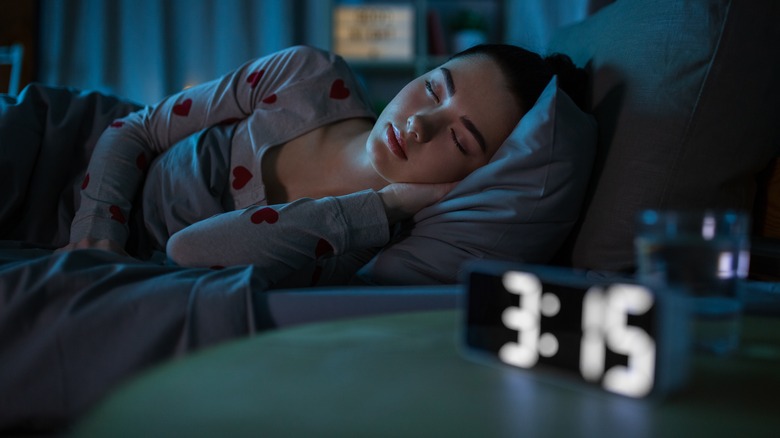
column 383, row 78
column 489, row 12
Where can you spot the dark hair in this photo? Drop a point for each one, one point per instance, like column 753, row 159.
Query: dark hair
column 527, row 72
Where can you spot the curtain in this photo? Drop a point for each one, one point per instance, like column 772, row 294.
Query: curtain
column 146, row 49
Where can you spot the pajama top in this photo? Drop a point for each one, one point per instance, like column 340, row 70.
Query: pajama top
column 198, row 154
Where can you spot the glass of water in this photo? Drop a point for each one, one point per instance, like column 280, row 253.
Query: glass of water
column 704, row 254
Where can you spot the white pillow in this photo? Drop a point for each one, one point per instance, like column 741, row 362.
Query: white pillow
column 519, row 207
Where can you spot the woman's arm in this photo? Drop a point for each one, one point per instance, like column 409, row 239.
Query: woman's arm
column 117, row 168
column 281, row 239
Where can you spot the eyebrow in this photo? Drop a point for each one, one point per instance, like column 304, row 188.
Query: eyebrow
column 448, row 80
column 450, row 84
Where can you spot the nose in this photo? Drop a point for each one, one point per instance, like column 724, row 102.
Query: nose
column 418, row 128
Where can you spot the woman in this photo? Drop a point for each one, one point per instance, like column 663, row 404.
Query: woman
column 277, row 164
column 336, row 182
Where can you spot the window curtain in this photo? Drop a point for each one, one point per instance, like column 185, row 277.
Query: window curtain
column 146, row 49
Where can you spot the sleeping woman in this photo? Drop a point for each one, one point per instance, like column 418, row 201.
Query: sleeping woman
column 295, row 165
column 280, row 166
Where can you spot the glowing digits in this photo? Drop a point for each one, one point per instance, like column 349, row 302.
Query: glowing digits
column 525, row 319
column 605, row 324
column 604, row 327
column 592, row 346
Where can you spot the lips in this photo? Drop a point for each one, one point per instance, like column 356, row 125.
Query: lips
column 395, row 142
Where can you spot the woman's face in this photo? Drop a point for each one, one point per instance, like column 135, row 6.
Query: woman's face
column 444, row 124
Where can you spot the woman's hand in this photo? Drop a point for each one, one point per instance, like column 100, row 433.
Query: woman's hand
column 403, row 200
column 104, row 244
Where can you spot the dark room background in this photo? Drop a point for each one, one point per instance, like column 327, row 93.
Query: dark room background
column 146, row 49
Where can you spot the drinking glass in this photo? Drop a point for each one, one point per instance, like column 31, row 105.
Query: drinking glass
column 704, row 254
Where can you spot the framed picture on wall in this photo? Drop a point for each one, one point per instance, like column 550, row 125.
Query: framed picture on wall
column 374, row 32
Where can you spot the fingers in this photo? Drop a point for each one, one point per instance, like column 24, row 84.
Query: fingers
column 403, row 200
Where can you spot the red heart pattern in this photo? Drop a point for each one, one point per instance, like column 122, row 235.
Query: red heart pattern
column 270, row 99
column 322, row 248
column 338, row 90
column 241, row 176
column 117, row 124
column 116, row 214
column 254, row 78
column 183, row 109
column 266, row 214
column 85, row 182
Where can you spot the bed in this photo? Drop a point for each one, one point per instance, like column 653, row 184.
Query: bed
column 75, row 325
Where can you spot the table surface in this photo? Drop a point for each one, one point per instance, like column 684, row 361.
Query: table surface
column 405, row 375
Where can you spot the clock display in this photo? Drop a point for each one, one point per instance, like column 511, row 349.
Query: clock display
column 619, row 336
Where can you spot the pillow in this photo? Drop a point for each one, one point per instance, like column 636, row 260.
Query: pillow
column 518, row 207
column 685, row 95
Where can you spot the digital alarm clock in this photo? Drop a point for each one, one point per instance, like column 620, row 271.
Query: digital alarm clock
column 616, row 335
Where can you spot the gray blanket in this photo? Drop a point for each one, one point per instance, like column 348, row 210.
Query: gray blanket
column 74, row 325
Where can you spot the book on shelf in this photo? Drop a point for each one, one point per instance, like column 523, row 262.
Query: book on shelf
column 374, row 32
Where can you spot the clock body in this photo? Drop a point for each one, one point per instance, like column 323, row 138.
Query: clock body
column 607, row 333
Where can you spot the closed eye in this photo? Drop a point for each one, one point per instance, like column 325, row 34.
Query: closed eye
column 429, row 88
column 457, row 143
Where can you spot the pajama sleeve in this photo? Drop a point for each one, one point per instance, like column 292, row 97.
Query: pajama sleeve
column 281, row 239
column 123, row 152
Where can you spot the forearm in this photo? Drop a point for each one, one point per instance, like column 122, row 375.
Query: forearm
column 282, row 239
column 115, row 172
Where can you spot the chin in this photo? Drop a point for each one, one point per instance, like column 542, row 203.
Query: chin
column 378, row 162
